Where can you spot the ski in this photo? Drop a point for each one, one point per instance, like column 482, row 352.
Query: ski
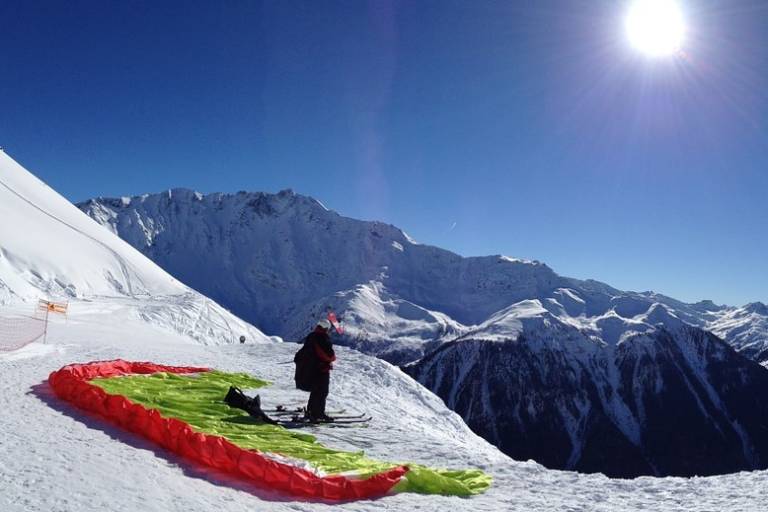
column 336, row 419
column 302, row 423
column 349, row 416
column 333, row 414
column 283, row 411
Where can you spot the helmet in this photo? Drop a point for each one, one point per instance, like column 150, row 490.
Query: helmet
column 325, row 324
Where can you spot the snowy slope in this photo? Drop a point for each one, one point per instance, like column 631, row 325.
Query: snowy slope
column 49, row 245
column 745, row 328
column 50, row 250
column 68, row 460
column 380, row 323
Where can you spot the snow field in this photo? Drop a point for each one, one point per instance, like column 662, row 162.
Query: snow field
column 59, row 458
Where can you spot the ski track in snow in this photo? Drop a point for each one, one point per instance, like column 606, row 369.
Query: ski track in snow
column 57, row 458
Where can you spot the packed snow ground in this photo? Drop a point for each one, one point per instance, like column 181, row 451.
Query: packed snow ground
column 55, row 457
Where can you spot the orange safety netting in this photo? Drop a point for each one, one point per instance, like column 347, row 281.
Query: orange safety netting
column 71, row 383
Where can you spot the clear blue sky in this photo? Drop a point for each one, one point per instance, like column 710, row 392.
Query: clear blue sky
column 526, row 128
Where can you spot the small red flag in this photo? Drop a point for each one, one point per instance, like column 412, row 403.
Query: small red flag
column 335, row 322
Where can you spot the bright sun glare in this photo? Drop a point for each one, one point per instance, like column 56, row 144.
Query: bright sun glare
column 655, row 27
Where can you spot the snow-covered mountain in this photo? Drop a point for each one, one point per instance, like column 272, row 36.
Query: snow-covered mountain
column 670, row 402
column 280, row 260
column 745, row 328
column 277, row 260
column 545, row 366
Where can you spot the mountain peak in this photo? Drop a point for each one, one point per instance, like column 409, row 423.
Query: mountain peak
column 757, row 308
column 707, row 305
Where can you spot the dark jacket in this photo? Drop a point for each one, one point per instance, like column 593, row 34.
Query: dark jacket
column 313, row 359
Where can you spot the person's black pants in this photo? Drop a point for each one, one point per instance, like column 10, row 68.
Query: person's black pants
column 318, row 395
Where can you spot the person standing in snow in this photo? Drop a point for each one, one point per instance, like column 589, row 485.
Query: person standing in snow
column 313, row 369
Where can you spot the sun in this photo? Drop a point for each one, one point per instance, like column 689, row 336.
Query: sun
column 656, row 28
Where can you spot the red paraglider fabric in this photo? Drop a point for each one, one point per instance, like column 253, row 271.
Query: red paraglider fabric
column 71, row 383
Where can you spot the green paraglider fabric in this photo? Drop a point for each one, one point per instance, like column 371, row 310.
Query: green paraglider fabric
column 71, row 383
column 197, row 400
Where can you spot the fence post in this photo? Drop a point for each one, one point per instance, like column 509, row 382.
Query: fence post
column 45, row 325
column 56, row 307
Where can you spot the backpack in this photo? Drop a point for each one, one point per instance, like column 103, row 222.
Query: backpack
column 236, row 398
column 304, row 375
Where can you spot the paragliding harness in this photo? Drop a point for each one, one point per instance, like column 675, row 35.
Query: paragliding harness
column 304, row 375
column 239, row 400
